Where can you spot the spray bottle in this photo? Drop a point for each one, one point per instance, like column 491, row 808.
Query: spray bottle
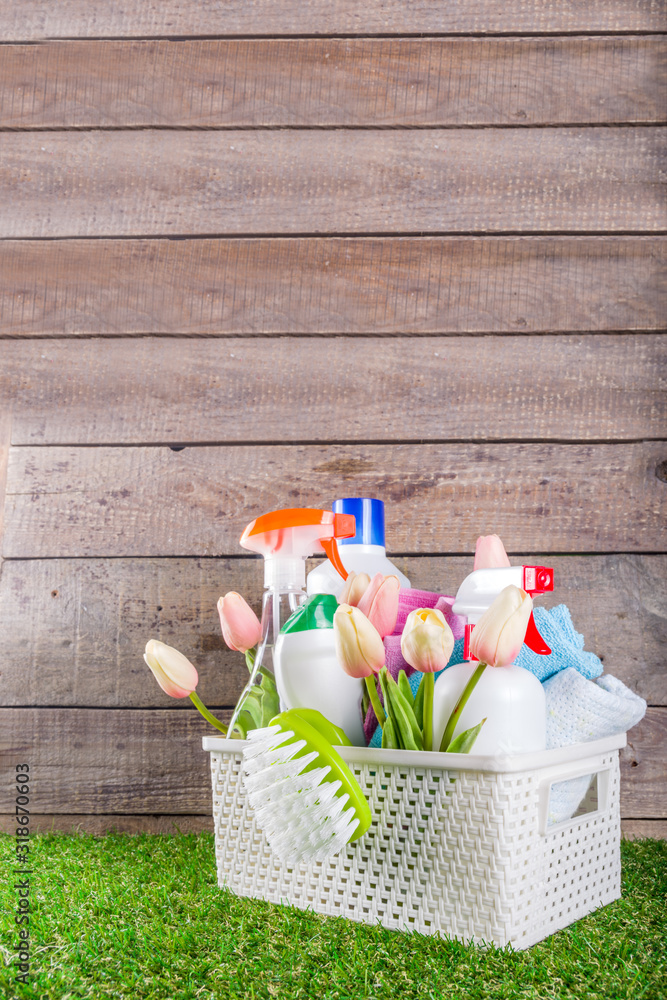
column 363, row 552
column 510, row 698
column 286, row 538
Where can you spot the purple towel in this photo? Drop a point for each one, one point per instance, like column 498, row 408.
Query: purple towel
column 409, row 600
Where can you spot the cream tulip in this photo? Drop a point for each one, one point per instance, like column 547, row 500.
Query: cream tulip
column 359, row 648
column 354, row 589
column 427, row 640
column 174, row 673
column 499, row 634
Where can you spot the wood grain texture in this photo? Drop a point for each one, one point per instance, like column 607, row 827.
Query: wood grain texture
column 73, row 631
column 39, row 19
column 159, row 502
column 151, row 182
column 119, row 762
column 259, row 286
column 403, row 81
column 639, row 829
column 164, row 825
column 152, row 391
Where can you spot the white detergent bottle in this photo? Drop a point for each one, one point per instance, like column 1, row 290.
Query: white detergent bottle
column 364, row 552
column 511, row 699
column 308, row 674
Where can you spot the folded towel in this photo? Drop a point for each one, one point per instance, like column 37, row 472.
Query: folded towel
column 566, row 644
column 579, row 710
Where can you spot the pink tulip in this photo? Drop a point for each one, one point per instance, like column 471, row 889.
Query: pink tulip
column 354, row 589
column 490, row 553
column 359, row 647
column 427, row 640
column 241, row 629
column 173, row 671
column 498, row 636
column 380, row 603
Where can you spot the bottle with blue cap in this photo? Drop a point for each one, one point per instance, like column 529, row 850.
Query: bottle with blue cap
column 363, row 552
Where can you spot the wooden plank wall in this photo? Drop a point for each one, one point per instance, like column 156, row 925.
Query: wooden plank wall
column 262, row 254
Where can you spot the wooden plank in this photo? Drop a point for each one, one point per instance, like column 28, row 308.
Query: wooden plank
column 644, row 768
column 334, row 81
column 149, row 182
column 148, row 391
column 257, row 286
column 138, row 501
column 40, row 19
column 79, row 626
column 639, row 829
column 119, row 762
column 100, row 825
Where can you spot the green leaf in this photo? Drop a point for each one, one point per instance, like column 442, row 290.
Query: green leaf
column 404, row 687
column 410, row 734
column 464, row 742
column 418, row 707
column 388, row 707
column 389, row 741
column 252, row 704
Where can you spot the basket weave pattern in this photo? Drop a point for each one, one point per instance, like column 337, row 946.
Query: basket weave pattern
column 450, row 852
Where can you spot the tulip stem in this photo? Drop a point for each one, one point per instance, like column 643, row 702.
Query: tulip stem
column 460, row 705
column 429, row 683
column 199, row 704
column 375, row 701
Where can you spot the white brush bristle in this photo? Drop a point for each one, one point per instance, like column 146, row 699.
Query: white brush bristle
column 300, row 814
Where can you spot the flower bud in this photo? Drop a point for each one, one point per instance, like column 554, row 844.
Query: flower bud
column 427, row 640
column 498, row 636
column 490, row 553
column 241, row 629
column 354, row 589
column 173, row 671
column 380, row 603
column 359, row 648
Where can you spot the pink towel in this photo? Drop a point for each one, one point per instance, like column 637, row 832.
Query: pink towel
column 409, row 600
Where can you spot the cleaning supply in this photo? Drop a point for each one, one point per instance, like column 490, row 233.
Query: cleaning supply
column 509, row 699
column 363, row 552
column 579, row 710
column 481, row 587
column 305, row 798
column 308, row 674
column 286, row 538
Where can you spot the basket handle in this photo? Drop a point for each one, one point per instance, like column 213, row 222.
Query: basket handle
column 603, row 774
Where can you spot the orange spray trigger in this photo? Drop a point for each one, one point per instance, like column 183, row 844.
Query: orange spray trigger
column 331, row 548
column 534, row 640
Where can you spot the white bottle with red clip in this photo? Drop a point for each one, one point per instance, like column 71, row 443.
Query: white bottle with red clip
column 480, row 589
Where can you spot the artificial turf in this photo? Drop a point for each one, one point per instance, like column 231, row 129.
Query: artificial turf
column 143, row 918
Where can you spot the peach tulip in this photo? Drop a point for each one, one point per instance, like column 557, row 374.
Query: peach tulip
column 490, row 553
column 174, row 673
column 380, row 603
column 359, row 647
column 427, row 640
column 354, row 589
column 241, row 629
column 498, row 636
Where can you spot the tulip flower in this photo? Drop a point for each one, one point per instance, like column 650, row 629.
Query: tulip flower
column 427, row 643
column 380, row 603
column 498, row 636
column 490, row 553
column 354, row 589
column 241, row 628
column 177, row 677
column 360, row 650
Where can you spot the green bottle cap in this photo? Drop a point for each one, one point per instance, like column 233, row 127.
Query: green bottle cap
column 317, row 612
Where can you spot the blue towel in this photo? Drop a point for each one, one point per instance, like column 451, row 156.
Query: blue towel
column 567, row 650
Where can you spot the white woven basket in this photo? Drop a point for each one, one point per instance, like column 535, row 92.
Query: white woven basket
column 460, row 846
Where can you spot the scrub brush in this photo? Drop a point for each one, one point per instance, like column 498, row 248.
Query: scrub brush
column 299, row 787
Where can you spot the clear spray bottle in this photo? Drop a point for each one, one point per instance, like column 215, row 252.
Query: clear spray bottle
column 286, row 538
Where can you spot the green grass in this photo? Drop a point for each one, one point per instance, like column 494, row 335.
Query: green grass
column 142, row 917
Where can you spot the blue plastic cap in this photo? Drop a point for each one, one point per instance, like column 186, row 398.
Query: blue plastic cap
column 369, row 516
